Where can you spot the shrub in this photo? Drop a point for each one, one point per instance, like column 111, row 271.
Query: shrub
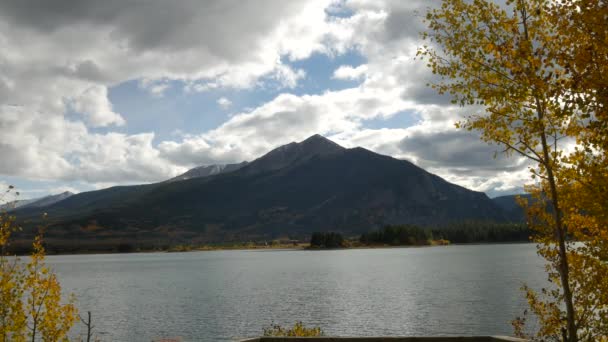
column 298, row 329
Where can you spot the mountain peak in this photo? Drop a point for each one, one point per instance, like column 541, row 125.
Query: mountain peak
column 316, row 137
column 321, row 144
column 288, row 154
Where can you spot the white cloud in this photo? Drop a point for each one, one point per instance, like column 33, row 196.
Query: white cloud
column 65, row 57
column 347, row 72
column 232, row 41
column 224, row 103
column 93, row 103
column 387, row 78
column 60, row 59
column 32, row 143
column 126, row 158
column 285, row 119
column 392, row 82
column 287, row 77
column 156, row 87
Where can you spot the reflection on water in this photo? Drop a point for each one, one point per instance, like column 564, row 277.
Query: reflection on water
column 221, row 295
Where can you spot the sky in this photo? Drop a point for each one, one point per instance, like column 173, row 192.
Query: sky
column 101, row 93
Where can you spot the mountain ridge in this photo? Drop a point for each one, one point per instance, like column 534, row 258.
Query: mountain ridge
column 38, row 202
column 314, row 184
column 207, row 170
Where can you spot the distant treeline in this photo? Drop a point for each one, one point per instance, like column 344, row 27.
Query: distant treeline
column 405, row 235
column 326, row 240
column 466, row 232
column 479, row 232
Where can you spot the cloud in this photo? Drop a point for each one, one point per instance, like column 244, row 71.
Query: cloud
column 56, row 121
column 455, row 148
column 392, row 81
column 347, row 72
column 93, row 103
column 60, row 58
column 113, row 156
column 157, row 28
column 156, row 87
column 37, row 146
column 461, row 157
column 285, row 119
column 287, row 77
column 457, row 156
column 31, row 144
column 231, row 43
column 224, row 103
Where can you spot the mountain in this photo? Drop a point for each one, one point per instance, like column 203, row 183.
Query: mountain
column 36, row 202
column 12, row 205
column 293, row 153
column 208, row 170
column 313, row 185
column 48, row 200
column 510, row 206
column 273, row 160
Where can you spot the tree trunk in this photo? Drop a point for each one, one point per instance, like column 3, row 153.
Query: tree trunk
column 560, row 230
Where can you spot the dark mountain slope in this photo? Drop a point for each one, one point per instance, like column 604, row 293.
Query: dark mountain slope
column 49, row 200
column 36, row 202
column 510, row 206
column 291, row 193
column 293, row 190
column 82, row 204
column 119, row 196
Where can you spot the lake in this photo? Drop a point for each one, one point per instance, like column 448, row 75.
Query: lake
column 223, row 295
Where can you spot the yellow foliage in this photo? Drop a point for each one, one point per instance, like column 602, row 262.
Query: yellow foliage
column 534, row 73
column 297, row 330
column 30, row 294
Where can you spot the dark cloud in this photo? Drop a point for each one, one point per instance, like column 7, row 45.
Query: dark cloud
column 424, row 94
column 49, row 16
column 158, row 24
column 89, row 70
column 4, row 92
column 403, row 23
column 460, row 151
column 86, row 70
column 13, row 159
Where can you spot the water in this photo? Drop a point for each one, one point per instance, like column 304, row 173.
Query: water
column 223, row 295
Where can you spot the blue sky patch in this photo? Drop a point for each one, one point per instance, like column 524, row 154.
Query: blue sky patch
column 198, row 112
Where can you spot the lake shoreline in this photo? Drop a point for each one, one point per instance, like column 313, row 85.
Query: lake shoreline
column 300, row 247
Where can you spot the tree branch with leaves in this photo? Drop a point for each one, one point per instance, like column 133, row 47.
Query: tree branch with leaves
column 536, row 68
column 30, row 293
